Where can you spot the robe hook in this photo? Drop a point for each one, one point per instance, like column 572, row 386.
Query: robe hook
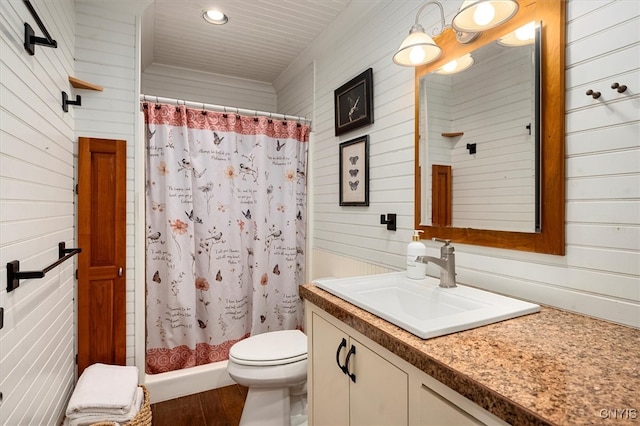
column 621, row 88
column 594, row 95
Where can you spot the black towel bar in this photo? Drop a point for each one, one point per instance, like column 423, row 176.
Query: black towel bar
column 30, row 39
column 14, row 275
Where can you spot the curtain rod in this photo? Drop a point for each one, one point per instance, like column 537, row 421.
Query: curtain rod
column 221, row 108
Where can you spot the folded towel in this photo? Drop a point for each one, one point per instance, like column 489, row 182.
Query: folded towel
column 104, row 388
column 88, row 418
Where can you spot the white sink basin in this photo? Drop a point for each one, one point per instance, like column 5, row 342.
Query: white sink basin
column 422, row 307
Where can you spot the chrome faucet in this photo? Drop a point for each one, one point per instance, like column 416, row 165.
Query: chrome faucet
column 447, row 263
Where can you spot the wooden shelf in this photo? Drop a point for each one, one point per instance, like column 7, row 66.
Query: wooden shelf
column 452, row 135
column 79, row 84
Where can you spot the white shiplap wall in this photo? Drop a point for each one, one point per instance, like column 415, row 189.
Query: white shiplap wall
column 198, row 86
column 37, row 357
column 105, row 54
column 495, row 187
column 600, row 274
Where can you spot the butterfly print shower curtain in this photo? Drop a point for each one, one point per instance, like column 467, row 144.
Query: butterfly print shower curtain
column 225, row 218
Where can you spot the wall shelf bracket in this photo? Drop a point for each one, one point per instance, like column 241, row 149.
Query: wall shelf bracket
column 66, row 102
column 14, row 274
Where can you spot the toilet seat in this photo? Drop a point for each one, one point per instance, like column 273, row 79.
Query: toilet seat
column 272, row 348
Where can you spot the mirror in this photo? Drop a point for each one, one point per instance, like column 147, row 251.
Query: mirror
column 480, row 141
column 549, row 236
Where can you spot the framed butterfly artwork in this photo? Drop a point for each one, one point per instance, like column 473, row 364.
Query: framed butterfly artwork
column 353, row 103
column 354, row 172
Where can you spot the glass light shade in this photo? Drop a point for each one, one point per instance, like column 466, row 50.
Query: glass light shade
column 480, row 15
column 520, row 37
column 457, row 65
column 417, row 49
column 215, row 17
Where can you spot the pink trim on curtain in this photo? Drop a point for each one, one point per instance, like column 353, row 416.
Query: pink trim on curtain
column 225, row 122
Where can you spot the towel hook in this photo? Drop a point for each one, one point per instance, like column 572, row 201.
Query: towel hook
column 621, row 88
column 594, row 95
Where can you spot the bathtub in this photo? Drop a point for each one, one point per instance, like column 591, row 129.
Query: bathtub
column 187, row 381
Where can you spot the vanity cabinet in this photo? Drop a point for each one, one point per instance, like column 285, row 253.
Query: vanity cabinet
column 354, row 381
column 351, row 383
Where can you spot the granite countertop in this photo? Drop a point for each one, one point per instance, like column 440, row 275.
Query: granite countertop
column 547, row 368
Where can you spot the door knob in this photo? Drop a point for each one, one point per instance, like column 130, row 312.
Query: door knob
column 120, row 271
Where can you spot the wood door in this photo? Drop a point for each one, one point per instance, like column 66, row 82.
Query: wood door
column 441, row 195
column 101, row 265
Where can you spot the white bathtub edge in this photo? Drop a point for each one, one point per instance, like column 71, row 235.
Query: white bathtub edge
column 188, row 381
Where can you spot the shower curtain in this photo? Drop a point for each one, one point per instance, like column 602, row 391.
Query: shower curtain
column 226, row 212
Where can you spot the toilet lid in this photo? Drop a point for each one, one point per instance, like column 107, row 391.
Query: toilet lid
column 273, row 348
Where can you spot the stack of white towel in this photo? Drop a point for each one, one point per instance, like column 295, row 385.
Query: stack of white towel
column 105, row 393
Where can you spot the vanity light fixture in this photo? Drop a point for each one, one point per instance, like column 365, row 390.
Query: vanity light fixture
column 474, row 16
column 418, row 48
column 214, row 16
column 457, row 65
column 481, row 15
column 520, row 37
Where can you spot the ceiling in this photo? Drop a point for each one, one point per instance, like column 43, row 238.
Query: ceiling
column 260, row 40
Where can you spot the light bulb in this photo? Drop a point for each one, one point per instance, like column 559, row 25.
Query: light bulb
column 215, row 15
column 484, row 13
column 417, row 55
column 526, row 32
column 451, row 66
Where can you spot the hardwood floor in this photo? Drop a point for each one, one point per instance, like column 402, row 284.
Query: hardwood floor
column 217, row 407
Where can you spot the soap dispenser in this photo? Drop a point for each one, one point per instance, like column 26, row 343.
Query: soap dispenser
column 416, row 270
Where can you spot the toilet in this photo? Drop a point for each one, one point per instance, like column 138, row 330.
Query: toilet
column 273, row 366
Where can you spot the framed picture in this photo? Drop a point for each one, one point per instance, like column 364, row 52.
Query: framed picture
column 353, row 103
column 354, row 172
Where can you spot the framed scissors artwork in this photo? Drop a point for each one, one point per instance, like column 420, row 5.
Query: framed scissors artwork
column 353, row 103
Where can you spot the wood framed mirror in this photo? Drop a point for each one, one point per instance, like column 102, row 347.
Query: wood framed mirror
column 550, row 238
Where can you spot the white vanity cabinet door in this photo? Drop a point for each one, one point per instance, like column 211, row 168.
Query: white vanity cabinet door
column 438, row 411
column 371, row 392
column 379, row 395
column 329, row 385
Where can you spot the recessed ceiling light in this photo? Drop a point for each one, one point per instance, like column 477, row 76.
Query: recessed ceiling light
column 214, row 16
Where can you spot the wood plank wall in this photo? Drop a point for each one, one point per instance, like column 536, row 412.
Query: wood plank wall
column 105, row 54
column 198, row 86
column 495, row 187
column 37, row 211
column 600, row 274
